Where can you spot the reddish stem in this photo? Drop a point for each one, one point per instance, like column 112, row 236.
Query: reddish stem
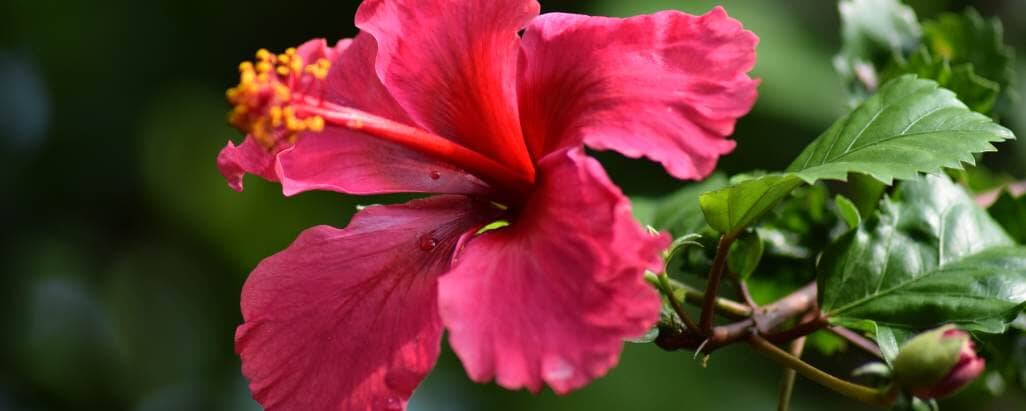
column 713, row 283
column 770, row 317
column 857, row 340
column 801, row 330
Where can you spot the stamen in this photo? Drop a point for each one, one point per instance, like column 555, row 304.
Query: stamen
column 263, row 100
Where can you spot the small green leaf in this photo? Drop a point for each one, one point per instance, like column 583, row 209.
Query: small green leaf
column 888, row 341
column 910, row 126
column 1010, row 212
column 745, row 255
column 732, row 209
column 848, row 211
column 930, row 256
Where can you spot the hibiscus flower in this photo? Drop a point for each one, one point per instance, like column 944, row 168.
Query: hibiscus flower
column 526, row 252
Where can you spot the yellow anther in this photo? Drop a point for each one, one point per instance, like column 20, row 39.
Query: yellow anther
column 282, row 92
column 315, row 123
column 264, row 105
column 247, row 77
column 319, row 69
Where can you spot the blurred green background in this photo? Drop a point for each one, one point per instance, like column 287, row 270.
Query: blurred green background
column 123, row 251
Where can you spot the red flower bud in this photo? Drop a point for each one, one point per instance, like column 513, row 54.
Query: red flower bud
column 937, row 363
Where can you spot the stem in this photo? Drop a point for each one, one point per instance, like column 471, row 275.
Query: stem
column 667, row 289
column 713, row 284
column 799, row 331
column 725, row 306
column 854, row 391
column 794, row 305
column 746, row 294
column 787, row 384
column 857, row 340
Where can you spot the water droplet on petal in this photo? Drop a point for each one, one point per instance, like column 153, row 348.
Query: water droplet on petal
column 393, row 404
column 428, row 243
column 435, row 175
column 558, row 370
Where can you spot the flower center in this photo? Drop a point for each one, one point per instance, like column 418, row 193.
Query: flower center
column 263, row 99
column 278, row 98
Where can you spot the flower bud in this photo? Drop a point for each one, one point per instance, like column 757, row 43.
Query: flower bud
column 937, row 363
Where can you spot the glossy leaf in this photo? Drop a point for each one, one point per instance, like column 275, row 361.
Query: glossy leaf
column 848, row 211
column 888, row 340
column 732, row 209
column 930, row 256
column 910, row 126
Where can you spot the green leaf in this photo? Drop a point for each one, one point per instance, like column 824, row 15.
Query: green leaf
column 910, row 126
column 848, row 211
column 979, row 93
column 1010, row 212
column 872, row 32
column 889, row 340
column 930, row 256
column 968, row 38
column 745, row 255
column 680, row 213
column 732, row 209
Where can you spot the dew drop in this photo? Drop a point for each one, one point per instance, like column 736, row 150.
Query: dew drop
column 428, row 243
column 393, row 404
column 435, row 175
column 558, row 370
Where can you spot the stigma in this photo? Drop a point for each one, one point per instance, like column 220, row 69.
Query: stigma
column 272, row 91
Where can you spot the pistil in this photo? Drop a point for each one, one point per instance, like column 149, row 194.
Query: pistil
column 418, row 140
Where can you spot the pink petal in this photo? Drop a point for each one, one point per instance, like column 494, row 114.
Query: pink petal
column 452, row 65
column 668, row 86
column 348, row 162
column 249, row 157
column 552, row 297
column 346, row 319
